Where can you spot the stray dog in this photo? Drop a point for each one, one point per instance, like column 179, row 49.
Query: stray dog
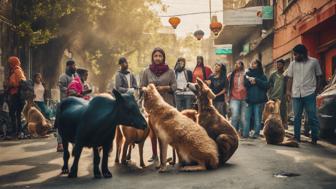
column 37, row 124
column 190, row 140
column 192, row 114
column 274, row 130
column 217, row 127
column 128, row 137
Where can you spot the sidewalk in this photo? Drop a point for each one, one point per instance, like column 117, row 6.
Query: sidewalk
column 305, row 139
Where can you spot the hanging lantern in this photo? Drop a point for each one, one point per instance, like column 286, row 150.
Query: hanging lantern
column 174, row 21
column 199, row 34
column 215, row 26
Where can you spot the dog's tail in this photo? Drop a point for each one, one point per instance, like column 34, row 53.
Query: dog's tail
column 290, row 143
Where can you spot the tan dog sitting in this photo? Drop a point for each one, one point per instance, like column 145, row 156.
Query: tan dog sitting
column 192, row 114
column 217, row 127
column 274, row 130
column 37, row 124
column 190, row 141
column 128, row 137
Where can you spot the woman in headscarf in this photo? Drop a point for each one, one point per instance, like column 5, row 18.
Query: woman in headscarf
column 159, row 74
column 12, row 86
column 201, row 71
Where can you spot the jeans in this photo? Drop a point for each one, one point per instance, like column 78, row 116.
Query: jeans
column 309, row 104
column 183, row 101
column 256, row 109
column 15, row 105
column 44, row 109
column 238, row 109
column 221, row 107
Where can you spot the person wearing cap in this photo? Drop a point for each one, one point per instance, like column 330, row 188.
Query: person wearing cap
column 125, row 81
column 12, row 86
column 218, row 84
column 304, row 76
column 66, row 78
column 63, row 82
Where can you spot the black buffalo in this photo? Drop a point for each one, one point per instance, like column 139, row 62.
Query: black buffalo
column 92, row 124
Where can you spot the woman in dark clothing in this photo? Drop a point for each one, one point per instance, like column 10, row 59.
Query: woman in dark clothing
column 218, row 83
column 256, row 84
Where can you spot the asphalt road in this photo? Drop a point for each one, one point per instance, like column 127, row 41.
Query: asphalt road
column 35, row 164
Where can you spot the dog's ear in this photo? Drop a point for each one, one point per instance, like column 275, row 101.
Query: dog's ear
column 117, row 95
column 151, row 86
column 199, row 82
column 145, row 89
column 211, row 95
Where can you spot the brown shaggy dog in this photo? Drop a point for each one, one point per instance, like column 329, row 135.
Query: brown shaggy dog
column 128, row 137
column 217, row 127
column 192, row 114
column 274, row 130
column 191, row 141
column 37, row 124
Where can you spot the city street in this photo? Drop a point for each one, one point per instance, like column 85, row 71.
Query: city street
column 35, row 164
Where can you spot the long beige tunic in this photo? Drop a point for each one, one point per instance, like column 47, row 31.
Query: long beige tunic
column 168, row 78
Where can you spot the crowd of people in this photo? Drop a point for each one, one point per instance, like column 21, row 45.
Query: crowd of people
column 240, row 94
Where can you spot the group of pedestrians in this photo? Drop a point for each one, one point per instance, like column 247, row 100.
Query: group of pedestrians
column 243, row 92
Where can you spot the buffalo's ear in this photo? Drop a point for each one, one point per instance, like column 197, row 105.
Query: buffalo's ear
column 117, row 95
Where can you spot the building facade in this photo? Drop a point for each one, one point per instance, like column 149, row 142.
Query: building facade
column 308, row 22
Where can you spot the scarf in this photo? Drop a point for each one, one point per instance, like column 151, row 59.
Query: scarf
column 158, row 69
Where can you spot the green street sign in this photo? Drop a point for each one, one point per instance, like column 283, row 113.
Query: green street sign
column 223, row 51
column 267, row 12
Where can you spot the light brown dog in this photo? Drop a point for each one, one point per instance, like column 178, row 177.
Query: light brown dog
column 217, row 127
column 128, row 137
column 192, row 114
column 37, row 124
column 191, row 141
column 274, row 130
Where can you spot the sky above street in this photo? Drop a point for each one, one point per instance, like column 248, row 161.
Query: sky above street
column 191, row 23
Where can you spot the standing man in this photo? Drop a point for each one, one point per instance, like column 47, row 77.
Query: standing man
column 63, row 82
column 183, row 96
column 303, row 84
column 277, row 89
column 125, row 81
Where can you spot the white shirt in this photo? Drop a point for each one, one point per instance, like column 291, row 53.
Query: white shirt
column 182, row 82
column 304, row 76
column 39, row 92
